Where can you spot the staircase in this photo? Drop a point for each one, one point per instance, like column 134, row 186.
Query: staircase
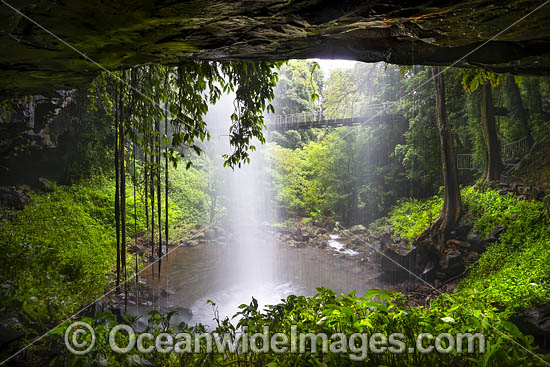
column 512, row 153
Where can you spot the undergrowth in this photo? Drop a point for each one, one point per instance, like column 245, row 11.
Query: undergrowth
column 514, row 272
column 68, row 249
column 56, row 251
column 59, row 250
column 336, row 316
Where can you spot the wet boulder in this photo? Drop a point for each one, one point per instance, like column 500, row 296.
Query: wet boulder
column 359, row 228
column 320, row 230
column 495, row 233
column 46, row 185
column 471, row 257
column 13, row 197
column 452, row 263
column 397, row 263
column 402, row 244
column 459, row 244
column 535, row 321
column 192, row 243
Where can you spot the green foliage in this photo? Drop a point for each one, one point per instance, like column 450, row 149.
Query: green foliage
column 411, row 217
column 314, row 180
column 378, row 311
column 57, row 251
column 511, row 275
column 182, row 94
column 514, row 272
column 355, row 91
column 388, row 162
column 345, row 173
column 473, row 78
column 88, row 134
column 299, row 87
column 193, row 193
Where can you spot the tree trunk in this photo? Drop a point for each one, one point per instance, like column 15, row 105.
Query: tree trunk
column 488, row 124
column 117, row 190
column 146, row 184
column 452, row 205
column 166, row 172
column 435, row 236
column 534, row 97
column 152, row 190
column 159, row 203
column 516, row 105
column 134, row 154
column 122, row 134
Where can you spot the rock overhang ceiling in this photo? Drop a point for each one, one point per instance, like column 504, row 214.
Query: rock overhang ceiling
column 126, row 33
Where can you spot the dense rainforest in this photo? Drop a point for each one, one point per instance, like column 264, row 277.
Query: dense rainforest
column 454, row 191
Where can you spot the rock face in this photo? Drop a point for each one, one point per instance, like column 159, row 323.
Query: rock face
column 136, row 32
column 14, row 197
column 535, row 321
column 33, row 125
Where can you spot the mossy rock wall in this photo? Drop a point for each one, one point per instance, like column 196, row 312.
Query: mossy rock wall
column 127, row 33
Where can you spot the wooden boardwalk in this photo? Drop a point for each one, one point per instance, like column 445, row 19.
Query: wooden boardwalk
column 297, row 122
column 376, row 114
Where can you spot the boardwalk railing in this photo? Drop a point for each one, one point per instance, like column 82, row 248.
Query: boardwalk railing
column 511, row 152
column 319, row 117
column 465, row 161
column 515, row 149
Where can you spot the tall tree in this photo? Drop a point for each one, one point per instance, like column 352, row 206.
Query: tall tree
column 534, row 97
column 152, row 191
column 117, row 184
column 122, row 136
column 516, row 106
column 488, row 123
column 452, row 205
column 299, row 80
column 145, row 185
column 166, row 171
column 159, row 203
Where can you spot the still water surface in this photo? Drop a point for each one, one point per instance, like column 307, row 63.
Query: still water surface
column 192, row 275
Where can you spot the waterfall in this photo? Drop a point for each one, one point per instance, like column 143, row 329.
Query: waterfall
column 248, row 259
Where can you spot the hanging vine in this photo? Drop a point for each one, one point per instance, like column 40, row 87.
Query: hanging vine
column 180, row 96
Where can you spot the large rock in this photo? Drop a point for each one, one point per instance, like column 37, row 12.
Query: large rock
column 535, row 321
column 192, row 243
column 13, row 197
column 495, row 233
column 397, row 263
column 452, row 264
column 138, row 32
column 46, row 185
column 359, row 228
column 459, row 244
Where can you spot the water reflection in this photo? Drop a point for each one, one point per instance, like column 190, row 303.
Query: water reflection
column 191, row 277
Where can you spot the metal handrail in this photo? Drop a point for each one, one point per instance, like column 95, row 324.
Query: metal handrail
column 307, row 117
column 464, row 161
column 510, row 150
